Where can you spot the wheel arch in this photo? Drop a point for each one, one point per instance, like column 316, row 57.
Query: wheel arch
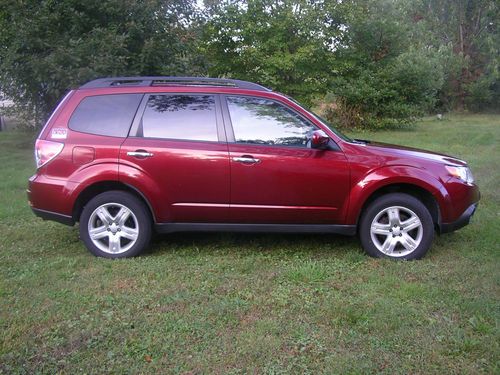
column 403, row 179
column 423, row 195
column 97, row 188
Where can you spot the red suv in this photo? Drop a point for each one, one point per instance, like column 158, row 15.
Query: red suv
column 126, row 156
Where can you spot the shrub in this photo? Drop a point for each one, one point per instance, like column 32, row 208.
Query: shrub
column 388, row 95
column 484, row 93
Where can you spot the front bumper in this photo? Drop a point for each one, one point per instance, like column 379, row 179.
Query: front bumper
column 461, row 222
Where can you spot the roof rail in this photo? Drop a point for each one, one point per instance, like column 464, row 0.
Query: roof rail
column 172, row 81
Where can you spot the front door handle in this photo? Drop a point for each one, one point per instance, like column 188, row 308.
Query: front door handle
column 246, row 159
column 141, row 154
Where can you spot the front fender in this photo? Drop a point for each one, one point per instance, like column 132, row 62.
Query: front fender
column 391, row 175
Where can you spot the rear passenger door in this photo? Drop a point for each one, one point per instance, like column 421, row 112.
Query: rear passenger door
column 177, row 152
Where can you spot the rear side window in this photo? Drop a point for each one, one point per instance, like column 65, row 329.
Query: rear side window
column 109, row 115
column 185, row 117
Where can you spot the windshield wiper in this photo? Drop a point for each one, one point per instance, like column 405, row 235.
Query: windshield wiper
column 361, row 141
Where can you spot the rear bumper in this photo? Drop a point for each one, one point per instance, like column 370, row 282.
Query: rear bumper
column 49, row 198
column 461, row 222
column 54, row 216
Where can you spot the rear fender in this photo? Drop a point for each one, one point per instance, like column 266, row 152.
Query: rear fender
column 145, row 185
column 92, row 173
column 65, row 192
column 134, row 179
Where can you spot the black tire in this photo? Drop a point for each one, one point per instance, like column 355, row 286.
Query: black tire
column 406, row 205
column 138, row 224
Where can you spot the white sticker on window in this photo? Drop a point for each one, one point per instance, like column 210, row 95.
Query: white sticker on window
column 59, row 133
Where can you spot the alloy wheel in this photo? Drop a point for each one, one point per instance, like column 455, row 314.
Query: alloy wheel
column 396, row 231
column 113, row 228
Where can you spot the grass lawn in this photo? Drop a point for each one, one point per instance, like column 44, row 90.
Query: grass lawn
column 239, row 303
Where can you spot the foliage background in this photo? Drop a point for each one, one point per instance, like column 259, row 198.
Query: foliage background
column 366, row 63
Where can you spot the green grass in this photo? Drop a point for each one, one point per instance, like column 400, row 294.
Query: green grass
column 253, row 303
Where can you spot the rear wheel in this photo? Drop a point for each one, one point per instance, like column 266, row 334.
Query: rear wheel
column 115, row 224
column 396, row 226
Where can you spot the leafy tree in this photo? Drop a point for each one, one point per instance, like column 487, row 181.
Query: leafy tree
column 384, row 80
column 286, row 45
column 48, row 46
column 470, row 29
column 383, row 62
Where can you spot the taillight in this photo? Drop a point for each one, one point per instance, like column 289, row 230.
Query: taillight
column 45, row 151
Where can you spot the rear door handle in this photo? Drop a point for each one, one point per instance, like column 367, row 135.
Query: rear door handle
column 246, row 159
column 141, row 154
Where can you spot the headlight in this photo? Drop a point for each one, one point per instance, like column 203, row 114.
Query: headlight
column 462, row 173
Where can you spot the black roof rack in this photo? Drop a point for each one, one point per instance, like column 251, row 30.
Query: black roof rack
column 172, row 81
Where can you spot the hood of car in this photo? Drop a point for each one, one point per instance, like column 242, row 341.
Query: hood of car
column 410, row 152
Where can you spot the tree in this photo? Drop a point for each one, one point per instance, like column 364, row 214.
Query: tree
column 286, row 45
column 470, row 29
column 49, row 46
column 385, row 80
column 382, row 61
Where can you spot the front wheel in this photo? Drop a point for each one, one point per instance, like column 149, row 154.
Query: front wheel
column 396, row 226
column 115, row 224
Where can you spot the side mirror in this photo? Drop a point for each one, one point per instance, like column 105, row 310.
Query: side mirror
column 319, row 139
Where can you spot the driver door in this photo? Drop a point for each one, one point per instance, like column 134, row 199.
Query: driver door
column 276, row 177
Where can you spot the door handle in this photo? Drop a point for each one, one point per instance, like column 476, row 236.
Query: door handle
column 140, row 154
column 246, row 159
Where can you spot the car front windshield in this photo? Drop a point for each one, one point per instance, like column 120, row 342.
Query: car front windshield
column 332, row 128
column 322, row 120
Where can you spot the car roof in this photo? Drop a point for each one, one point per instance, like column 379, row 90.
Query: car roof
column 172, row 82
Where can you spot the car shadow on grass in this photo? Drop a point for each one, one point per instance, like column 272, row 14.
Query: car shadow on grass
column 251, row 244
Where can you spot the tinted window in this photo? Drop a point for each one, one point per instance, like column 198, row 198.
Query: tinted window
column 263, row 121
column 188, row 117
column 105, row 114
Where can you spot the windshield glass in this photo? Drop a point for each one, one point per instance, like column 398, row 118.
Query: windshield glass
column 322, row 120
column 341, row 135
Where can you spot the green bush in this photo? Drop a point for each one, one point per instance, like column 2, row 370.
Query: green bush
column 389, row 95
column 484, row 93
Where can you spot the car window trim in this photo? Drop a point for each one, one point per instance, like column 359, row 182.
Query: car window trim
column 230, row 131
column 136, row 124
column 138, row 116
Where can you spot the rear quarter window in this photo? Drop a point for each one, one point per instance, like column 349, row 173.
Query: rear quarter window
column 109, row 115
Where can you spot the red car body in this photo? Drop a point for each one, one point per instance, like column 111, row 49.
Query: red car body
column 193, row 182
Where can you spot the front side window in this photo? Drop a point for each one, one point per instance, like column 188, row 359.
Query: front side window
column 109, row 115
column 266, row 122
column 185, row 117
